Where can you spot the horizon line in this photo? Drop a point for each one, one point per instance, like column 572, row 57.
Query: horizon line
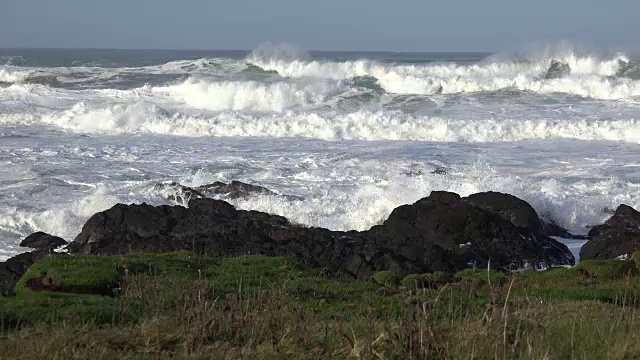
column 240, row 50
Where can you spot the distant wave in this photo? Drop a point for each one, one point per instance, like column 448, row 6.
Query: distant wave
column 611, row 78
column 104, row 77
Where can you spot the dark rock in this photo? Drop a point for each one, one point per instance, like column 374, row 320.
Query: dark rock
column 179, row 193
column 618, row 236
column 214, row 227
column 412, row 172
column 43, row 241
column 520, row 213
column 12, row 269
column 510, row 208
column 445, row 232
column 557, row 69
column 232, row 190
column 442, row 232
column 125, row 227
column 550, row 228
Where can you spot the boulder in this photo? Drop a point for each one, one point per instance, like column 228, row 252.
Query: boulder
column 233, row 190
column 618, row 236
column 43, row 241
column 445, row 232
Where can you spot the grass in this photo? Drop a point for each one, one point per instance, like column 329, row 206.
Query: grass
column 158, row 306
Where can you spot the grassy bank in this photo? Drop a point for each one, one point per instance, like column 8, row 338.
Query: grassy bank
column 190, row 307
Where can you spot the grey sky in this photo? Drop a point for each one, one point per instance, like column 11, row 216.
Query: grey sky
column 400, row 25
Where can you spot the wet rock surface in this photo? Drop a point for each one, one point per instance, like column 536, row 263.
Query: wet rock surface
column 233, row 190
column 618, row 236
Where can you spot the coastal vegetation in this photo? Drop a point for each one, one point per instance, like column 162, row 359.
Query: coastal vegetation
column 188, row 306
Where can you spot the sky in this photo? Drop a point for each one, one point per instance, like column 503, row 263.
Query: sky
column 392, row 25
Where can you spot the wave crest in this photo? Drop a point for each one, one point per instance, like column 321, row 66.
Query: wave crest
column 590, row 76
column 248, row 95
column 360, row 125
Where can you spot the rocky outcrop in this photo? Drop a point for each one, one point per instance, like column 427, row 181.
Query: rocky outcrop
column 557, row 69
column 442, row 232
column 486, row 229
column 232, row 190
column 216, row 228
column 618, row 236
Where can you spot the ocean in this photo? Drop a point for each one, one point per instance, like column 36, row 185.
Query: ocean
column 351, row 134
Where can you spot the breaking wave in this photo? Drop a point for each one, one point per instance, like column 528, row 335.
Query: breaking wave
column 590, row 76
column 149, row 118
column 248, row 95
column 279, row 92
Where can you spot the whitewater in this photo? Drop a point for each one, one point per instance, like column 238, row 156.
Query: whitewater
column 351, row 134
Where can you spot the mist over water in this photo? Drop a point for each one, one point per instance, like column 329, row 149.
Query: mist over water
column 353, row 134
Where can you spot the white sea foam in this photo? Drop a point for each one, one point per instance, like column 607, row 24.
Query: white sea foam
column 63, row 220
column 144, row 117
column 11, row 75
column 371, row 198
column 337, row 194
column 248, row 95
column 590, row 76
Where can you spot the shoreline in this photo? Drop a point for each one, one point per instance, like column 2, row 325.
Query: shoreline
column 169, row 281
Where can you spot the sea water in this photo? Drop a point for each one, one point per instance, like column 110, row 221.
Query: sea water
column 352, row 134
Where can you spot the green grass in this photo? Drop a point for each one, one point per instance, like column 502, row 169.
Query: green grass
column 83, row 275
column 46, row 306
column 431, row 280
column 489, row 276
column 385, row 278
column 603, row 269
column 191, row 307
